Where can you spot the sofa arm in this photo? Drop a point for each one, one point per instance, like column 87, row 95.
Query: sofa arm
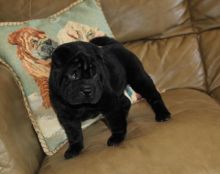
column 20, row 152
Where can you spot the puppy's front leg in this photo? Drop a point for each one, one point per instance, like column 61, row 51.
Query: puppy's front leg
column 74, row 134
column 117, row 120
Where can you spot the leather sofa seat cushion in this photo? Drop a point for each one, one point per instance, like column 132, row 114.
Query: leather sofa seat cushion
column 138, row 19
column 188, row 143
column 172, row 63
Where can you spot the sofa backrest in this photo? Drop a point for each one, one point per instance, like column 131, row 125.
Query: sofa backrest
column 21, row 10
column 180, row 44
column 138, row 19
column 159, row 24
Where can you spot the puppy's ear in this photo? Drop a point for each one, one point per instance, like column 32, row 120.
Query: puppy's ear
column 60, row 56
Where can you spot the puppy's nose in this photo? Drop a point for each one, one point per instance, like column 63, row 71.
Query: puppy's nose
column 87, row 91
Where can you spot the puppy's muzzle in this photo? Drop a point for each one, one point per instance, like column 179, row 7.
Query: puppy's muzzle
column 87, row 91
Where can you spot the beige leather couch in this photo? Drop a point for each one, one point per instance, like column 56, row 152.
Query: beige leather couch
column 178, row 42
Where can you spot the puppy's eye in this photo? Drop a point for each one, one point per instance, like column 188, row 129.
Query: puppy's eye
column 76, row 60
column 72, row 76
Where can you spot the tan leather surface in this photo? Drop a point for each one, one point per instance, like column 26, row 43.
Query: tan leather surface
column 172, row 63
column 49, row 7
column 188, row 144
column 21, row 10
column 210, row 48
column 135, row 19
column 20, row 152
column 216, row 94
column 11, row 10
column 205, row 13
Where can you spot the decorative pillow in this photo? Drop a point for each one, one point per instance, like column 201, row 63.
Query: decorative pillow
column 26, row 47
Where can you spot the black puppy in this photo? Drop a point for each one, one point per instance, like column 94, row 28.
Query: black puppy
column 86, row 79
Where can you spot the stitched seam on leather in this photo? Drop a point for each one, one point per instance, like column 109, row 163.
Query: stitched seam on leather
column 198, row 36
column 191, row 17
column 199, row 46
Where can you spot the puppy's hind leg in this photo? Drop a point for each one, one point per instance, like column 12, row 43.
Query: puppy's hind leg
column 142, row 83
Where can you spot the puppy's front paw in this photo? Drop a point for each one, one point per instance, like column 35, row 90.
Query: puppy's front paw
column 115, row 140
column 72, row 151
column 162, row 117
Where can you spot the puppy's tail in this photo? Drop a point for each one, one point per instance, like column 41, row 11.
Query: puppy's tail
column 103, row 41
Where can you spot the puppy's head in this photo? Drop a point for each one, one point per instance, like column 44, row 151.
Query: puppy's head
column 33, row 42
column 77, row 74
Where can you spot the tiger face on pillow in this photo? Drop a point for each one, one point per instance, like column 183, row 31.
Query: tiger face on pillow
column 34, row 49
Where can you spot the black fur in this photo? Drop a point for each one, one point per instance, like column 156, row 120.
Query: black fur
column 89, row 78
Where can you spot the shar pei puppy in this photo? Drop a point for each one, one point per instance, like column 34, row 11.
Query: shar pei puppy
column 90, row 78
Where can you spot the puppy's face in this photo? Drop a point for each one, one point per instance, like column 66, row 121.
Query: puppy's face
column 77, row 75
